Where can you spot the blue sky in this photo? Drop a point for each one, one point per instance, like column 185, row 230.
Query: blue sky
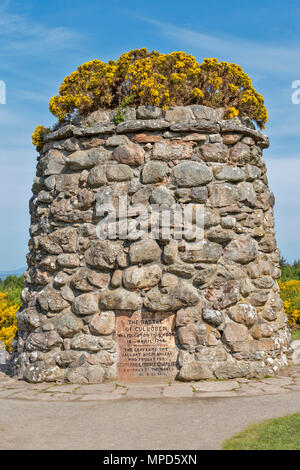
column 42, row 42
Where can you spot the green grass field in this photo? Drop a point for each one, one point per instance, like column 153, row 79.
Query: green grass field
column 274, row 434
column 296, row 334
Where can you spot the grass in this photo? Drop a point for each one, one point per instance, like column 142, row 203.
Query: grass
column 273, row 434
column 296, row 334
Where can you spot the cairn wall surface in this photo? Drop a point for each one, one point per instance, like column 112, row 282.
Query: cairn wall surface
column 228, row 314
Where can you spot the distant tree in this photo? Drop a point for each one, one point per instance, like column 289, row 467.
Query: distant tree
column 13, row 285
column 283, row 262
column 289, row 272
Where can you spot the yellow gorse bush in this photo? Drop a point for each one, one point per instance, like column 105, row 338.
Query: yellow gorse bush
column 161, row 80
column 290, row 294
column 37, row 136
column 8, row 321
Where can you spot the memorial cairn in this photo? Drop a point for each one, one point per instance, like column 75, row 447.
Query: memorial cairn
column 152, row 250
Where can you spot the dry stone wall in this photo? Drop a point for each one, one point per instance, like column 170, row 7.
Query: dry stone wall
column 96, row 310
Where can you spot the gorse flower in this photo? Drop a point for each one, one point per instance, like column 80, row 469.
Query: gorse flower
column 37, row 136
column 290, row 294
column 161, row 80
column 8, row 321
column 231, row 113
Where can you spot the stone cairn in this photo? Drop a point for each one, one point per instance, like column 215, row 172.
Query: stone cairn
column 223, row 297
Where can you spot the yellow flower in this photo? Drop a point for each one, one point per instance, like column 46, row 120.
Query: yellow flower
column 231, row 113
column 8, row 321
column 37, row 136
column 158, row 79
column 290, row 294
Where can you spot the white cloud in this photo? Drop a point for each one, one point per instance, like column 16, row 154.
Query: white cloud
column 20, row 34
column 254, row 54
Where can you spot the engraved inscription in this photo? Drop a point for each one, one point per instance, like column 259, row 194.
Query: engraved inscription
column 146, row 345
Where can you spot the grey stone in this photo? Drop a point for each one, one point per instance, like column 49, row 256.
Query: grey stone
column 235, row 127
column 143, row 277
column 97, row 176
column 214, row 152
column 230, row 139
column 242, row 249
column 231, row 371
column 86, row 280
column 68, row 324
column 182, row 269
column 43, row 341
column 171, row 150
column 162, row 196
column 148, row 112
column 103, row 323
column 247, row 193
column 235, row 332
column 240, row 153
column 215, row 138
column 144, row 251
column 194, row 371
column 252, row 172
column 119, row 172
column 86, row 304
column 206, row 113
column 212, row 317
column 31, row 317
column 120, row 299
column 68, row 260
column 61, row 133
column 103, row 197
column 67, row 294
column 179, row 113
column 82, row 159
column 142, row 125
column 258, row 298
column 100, row 115
column 206, row 275
column 116, row 140
column 154, row 172
column 64, row 239
column 199, row 194
column 190, row 174
column 220, row 235
column 243, row 313
column 51, row 299
column 103, row 128
column 170, row 252
column 53, row 163
column 71, row 145
column 67, row 182
column 209, row 252
column 90, row 343
column 229, row 173
column 130, row 154
column 172, row 299
column 195, row 126
column 224, row 194
column 103, row 253
column 85, row 374
column 44, row 197
column 296, row 352
column 228, row 221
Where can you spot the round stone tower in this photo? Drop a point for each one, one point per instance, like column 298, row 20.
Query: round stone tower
column 116, row 287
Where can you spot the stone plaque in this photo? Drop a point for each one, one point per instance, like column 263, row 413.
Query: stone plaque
column 146, row 345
